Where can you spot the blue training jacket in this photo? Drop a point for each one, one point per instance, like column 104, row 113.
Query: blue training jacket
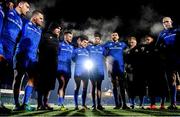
column 11, row 29
column 64, row 57
column 115, row 50
column 29, row 43
column 80, row 56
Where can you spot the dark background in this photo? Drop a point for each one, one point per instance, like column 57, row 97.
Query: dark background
column 135, row 17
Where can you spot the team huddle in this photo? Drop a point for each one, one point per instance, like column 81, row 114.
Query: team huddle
column 42, row 57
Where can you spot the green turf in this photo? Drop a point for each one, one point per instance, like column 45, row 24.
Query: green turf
column 109, row 111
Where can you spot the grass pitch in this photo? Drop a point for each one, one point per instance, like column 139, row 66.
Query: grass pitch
column 109, row 111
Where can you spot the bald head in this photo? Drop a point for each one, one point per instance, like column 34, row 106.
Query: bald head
column 167, row 22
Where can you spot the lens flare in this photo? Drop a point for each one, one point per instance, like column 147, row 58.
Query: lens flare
column 88, row 64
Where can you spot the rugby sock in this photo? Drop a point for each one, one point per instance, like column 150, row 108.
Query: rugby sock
column 173, row 95
column 93, row 98
column 163, row 99
column 0, row 99
column 39, row 98
column 132, row 101
column 76, row 97
column 141, row 100
column 84, row 96
column 27, row 95
column 16, row 97
column 115, row 96
column 153, row 100
column 60, row 101
column 98, row 100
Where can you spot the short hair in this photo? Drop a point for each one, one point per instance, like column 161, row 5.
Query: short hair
column 83, row 37
column 166, row 18
column 18, row 1
column 67, row 32
column 13, row 1
column 146, row 36
column 23, row 1
column 97, row 34
column 132, row 38
column 115, row 32
column 36, row 12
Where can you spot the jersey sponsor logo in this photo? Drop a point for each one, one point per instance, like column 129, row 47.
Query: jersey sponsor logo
column 98, row 52
column 34, row 30
column 169, row 36
column 11, row 13
column 16, row 23
column 83, row 54
column 66, row 49
column 116, row 48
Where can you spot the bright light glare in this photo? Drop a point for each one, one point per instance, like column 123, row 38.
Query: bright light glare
column 88, row 64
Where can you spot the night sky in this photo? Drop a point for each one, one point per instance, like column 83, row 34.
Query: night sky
column 134, row 17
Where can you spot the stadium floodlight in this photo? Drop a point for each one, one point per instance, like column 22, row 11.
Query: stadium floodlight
column 88, row 64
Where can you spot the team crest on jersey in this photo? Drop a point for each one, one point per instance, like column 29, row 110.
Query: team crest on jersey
column 11, row 13
column 142, row 48
column 71, row 47
column 136, row 50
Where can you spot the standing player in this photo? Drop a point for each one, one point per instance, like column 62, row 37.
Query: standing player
column 96, row 53
column 168, row 43
column 115, row 50
column 25, row 60
column 48, row 56
column 12, row 28
column 64, row 66
column 80, row 56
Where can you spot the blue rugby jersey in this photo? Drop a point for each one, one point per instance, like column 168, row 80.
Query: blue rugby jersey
column 64, row 57
column 96, row 54
column 1, row 18
column 116, row 50
column 80, row 56
column 168, row 36
column 10, row 32
column 1, row 24
column 29, row 43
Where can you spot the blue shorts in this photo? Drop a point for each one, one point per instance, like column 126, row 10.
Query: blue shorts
column 65, row 67
column 23, row 64
column 81, row 73
column 8, row 49
column 97, row 74
column 64, row 74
